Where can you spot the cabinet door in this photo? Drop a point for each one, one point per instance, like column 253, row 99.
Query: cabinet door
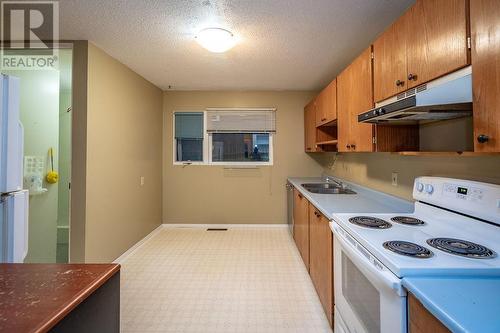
column 310, row 126
column 389, row 60
column 437, row 39
column 355, row 96
column 301, row 225
column 344, row 94
column 327, row 104
column 485, row 28
column 420, row 320
column 321, row 259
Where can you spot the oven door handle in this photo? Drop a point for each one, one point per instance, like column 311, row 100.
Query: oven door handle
column 386, row 277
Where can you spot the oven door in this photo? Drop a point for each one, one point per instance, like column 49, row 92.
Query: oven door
column 368, row 296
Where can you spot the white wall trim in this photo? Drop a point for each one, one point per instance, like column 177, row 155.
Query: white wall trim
column 121, row 259
column 180, row 225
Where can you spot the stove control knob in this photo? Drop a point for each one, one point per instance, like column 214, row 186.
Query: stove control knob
column 429, row 188
column 420, row 187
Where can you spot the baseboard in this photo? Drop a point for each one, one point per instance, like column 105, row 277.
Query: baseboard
column 236, row 220
column 137, row 245
column 204, row 225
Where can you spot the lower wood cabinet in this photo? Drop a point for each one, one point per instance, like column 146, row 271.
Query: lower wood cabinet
column 422, row 321
column 314, row 240
column 321, row 259
column 301, row 225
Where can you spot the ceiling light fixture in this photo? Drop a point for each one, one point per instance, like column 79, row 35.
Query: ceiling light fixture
column 216, row 40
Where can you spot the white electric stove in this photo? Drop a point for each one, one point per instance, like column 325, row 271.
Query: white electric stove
column 454, row 230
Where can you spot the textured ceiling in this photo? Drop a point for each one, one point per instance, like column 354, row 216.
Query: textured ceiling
column 284, row 44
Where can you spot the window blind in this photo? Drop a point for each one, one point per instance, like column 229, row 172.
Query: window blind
column 189, row 125
column 241, row 120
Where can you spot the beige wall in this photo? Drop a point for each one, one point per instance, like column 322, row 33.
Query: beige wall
column 212, row 194
column 124, row 142
column 375, row 169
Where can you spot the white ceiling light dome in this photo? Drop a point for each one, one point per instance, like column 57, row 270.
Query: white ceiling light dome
column 216, row 40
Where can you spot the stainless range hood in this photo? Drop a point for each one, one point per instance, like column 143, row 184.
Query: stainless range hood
column 445, row 98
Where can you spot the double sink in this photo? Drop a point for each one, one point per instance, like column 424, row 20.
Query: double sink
column 327, row 188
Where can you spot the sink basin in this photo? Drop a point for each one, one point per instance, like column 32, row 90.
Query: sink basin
column 327, row 188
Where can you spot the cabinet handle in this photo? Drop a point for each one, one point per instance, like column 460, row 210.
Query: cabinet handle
column 348, row 146
column 483, row 138
column 353, row 146
column 412, row 77
column 323, row 119
column 300, row 196
column 317, row 214
column 308, row 149
column 400, row 83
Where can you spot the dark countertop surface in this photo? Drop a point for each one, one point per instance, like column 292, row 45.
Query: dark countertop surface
column 35, row 297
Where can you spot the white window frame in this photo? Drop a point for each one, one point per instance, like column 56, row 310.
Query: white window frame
column 205, row 140
column 207, row 147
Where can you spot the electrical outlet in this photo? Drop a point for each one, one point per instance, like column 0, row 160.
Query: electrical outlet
column 394, row 179
column 142, row 180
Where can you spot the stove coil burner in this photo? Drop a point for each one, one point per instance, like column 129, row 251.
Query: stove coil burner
column 461, row 247
column 370, row 222
column 408, row 220
column 408, row 249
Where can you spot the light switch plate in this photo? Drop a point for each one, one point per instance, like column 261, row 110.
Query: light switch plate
column 142, row 180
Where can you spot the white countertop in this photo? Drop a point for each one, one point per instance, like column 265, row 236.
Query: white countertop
column 364, row 201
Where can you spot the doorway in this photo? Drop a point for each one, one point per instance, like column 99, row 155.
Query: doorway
column 45, row 108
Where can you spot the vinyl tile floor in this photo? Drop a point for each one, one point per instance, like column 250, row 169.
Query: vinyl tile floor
column 246, row 279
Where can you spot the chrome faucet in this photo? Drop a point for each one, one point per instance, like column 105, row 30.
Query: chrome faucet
column 329, row 179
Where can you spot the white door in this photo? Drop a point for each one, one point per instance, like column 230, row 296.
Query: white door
column 14, row 226
column 11, row 136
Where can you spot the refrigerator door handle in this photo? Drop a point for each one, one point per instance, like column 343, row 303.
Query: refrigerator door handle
column 20, row 155
column 26, row 224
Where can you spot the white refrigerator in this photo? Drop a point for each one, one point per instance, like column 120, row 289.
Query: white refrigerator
column 13, row 199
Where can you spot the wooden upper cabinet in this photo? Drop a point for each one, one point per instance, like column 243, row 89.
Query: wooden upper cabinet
column 426, row 42
column 321, row 259
column 437, row 39
column 389, row 65
column 355, row 96
column 301, row 225
column 310, row 126
column 327, row 104
column 485, row 35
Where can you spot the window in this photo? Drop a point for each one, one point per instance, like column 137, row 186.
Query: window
column 240, row 147
column 224, row 137
column 189, row 136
